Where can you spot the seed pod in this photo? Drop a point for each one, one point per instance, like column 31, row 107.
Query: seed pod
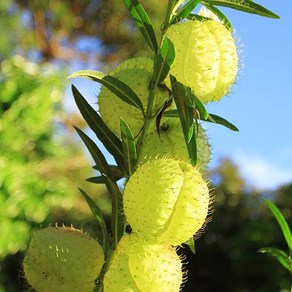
column 171, row 143
column 137, row 74
column 166, row 201
column 206, row 58
column 62, row 259
column 136, row 266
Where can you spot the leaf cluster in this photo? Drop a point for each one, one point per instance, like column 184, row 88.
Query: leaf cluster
column 281, row 256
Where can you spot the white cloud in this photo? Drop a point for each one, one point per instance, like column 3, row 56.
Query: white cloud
column 260, row 173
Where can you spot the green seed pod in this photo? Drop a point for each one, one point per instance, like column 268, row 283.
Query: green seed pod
column 62, row 259
column 171, row 143
column 166, row 201
column 206, row 58
column 136, row 266
column 137, row 74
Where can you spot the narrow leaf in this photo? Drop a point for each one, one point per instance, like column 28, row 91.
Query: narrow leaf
column 129, row 148
column 221, row 121
column 220, row 15
column 96, row 154
column 97, row 213
column 211, row 118
column 101, row 163
column 164, row 60
column 185, row 11
column 282, row 222
column 97, row 179
column 116, row 86
column 194, row 102
column 203, row 113
column 243, row 5
column 280, row 255
column 115, row 170
column 185, row 114
column 143, row 22
column 99, row 127
column 197, row 17
column 101, row 179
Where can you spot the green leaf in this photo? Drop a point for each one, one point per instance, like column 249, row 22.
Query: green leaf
column 116, row 86
column 129, row 148
column 243, row 5
column 280, row 255
column 143, row 22
column 102, row 179
column 221, row 121
column 191, row 245
column 194, row 102
column 185, row 11
column 97, row 179
column 115, row 171
column 185, row 114
column 97, row 213
column 96, row 154
column 220, row 15
column 282, row 222
column 98, row 126
column 118, row 218
column 203, row 113
column 198, row 17
column 211, row 118
column 164, row 60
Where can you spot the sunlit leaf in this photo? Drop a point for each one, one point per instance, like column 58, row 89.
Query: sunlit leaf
column 185, row 11
column 185, row 114
column 143, row 22
column 198, row 17
column 164, row 60
column 282, row 222
column 194, row 102
column 220, row 15
column 129, row 148
column 221, row 121
column 116, row 86
column 243, row 5
column 280, row 255
column 211, row 118
column 203, row 113
column 191, row 245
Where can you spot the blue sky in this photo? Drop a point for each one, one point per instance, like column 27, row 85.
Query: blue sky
column 260, row 103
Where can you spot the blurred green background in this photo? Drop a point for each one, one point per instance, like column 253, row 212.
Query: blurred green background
column 42, row 162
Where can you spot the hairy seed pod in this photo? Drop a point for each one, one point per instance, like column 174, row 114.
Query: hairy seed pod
column 206, row 58
column 137, row 74
column 62, row 259
column 166, row 201
column 171, row 143
column 136, row 266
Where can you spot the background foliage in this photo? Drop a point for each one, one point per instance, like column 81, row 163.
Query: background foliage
column 41, row 165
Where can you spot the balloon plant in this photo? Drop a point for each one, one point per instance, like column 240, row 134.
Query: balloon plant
column 150, row 120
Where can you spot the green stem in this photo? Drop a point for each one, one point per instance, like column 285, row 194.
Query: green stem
column 154, row 82
column 148, row 117
column 171, row 4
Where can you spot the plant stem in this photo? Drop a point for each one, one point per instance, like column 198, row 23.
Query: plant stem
column 154, row 82
column 170, row 7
